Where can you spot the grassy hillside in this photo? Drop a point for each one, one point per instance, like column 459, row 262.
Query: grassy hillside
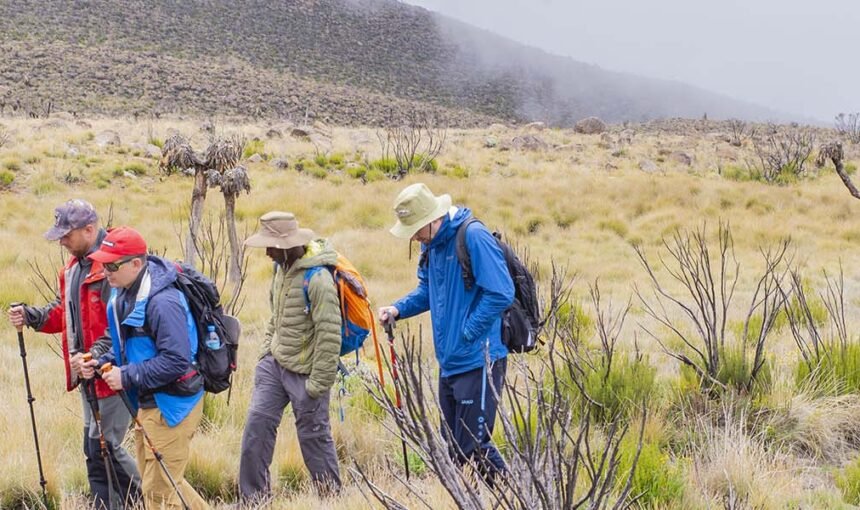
column 581, row 202
column 256, row 58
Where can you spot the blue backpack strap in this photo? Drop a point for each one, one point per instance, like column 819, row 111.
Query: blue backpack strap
column 309, row 273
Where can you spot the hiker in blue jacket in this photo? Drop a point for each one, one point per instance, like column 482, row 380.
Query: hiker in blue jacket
column 154, row 349
column 466, row 322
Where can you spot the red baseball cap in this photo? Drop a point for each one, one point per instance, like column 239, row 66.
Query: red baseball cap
column 120, row 242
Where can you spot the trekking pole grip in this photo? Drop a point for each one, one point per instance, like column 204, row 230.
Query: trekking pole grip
column 389, row 325
column 19, row 328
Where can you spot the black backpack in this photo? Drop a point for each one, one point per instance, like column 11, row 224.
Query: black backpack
column 521, row 322
column 215, row 365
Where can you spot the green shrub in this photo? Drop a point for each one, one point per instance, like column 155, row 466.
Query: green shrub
column 620, row 390
column 337, row 160
column 315, row 171
column 210, row 480
column 422, row 163
column 135, row 168
column 356, row 172
column 321, row 160
column 374, row 175
column 573, row 315
column 32, row 159
column 848, row 481
column 158, row 142
column 850, row 168
column 657, row 478
column 457, row 171
column 837, row 370
column 6, row 178
column 12, row 164
column 736, row 360
column 254, row 147
column 616, row 226
column 385, row 165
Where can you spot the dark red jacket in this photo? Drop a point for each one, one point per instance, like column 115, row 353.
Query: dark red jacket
column 93, row 318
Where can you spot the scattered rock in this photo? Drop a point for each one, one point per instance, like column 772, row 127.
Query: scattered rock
column 610, row 167
column 274, row 133
column 590, row 126
column 498, row 127
column 72, row 152
column 646, row 165
column 280, row 164
column 208, row 126
column 152, row 151
column 84, row 124
column 490, row 142
column 529, row 143
column 130, row 175
column 303, row 133
column 537, row 126
column 626, row 136
column 255, row 158
column 106, row 138
column 682, row 158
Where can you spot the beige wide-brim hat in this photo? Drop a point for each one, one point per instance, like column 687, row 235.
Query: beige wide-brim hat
column 415, row 207
column 280, row 230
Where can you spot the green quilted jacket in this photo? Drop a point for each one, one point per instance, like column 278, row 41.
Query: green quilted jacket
column 301, row 340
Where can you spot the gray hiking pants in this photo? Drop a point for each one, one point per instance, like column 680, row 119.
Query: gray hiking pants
column 274, row 388
column 114, row 421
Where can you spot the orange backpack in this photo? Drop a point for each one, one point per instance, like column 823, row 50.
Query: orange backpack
column 357, row 320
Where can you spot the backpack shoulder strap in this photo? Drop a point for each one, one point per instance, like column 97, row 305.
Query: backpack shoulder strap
column 463, row 253
column 306, row 282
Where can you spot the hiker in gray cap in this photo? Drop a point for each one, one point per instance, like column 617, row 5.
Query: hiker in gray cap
column 299, row 358
column 79, row 314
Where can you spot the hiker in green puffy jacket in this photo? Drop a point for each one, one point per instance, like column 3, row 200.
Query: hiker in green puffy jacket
column 298, row 362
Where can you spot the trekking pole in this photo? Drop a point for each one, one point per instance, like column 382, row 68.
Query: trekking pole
column 107, row 367
column 389, row 330
column 30, row 401
column 89, row 390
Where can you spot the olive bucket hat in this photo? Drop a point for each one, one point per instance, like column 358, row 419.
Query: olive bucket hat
column 415, row 207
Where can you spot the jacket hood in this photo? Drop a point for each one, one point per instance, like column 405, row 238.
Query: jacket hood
column 319, row 253
column 162, row 274
column 449, row 226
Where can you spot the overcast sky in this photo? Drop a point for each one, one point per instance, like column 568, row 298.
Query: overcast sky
column 799, row 57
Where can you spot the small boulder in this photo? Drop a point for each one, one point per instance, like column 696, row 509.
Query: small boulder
column 590, row 126
column 207, row 126
column 274, row 133
column 490, row 142
column 303, row 133
column 106, row 138
column 682, row 158
column 152, row 151
column 529, row 143
column 537, row 126
column 646, row 165
column 255, row 158
column 84, row 124
column 280, row 164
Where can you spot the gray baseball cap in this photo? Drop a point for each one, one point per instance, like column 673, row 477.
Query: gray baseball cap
column 73, row 214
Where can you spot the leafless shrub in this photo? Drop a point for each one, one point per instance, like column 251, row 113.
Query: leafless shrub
column 558, row 455
column 849, row 126
column 740, row 132
column 414, row 144
column 212, row 247
column 708, row 282
column 782, row 149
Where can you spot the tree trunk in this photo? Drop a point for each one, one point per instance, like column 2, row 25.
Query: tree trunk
column 234, row 271
column 198, row 198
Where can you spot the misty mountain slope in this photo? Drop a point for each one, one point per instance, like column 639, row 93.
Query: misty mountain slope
column 350, row 61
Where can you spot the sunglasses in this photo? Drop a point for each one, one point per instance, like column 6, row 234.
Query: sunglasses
column 113, row 267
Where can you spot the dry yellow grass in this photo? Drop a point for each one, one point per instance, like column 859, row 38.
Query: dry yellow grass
column 566, row 204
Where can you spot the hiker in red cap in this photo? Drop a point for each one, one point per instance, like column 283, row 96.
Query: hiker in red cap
column 154, row 351
column 79, row 314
